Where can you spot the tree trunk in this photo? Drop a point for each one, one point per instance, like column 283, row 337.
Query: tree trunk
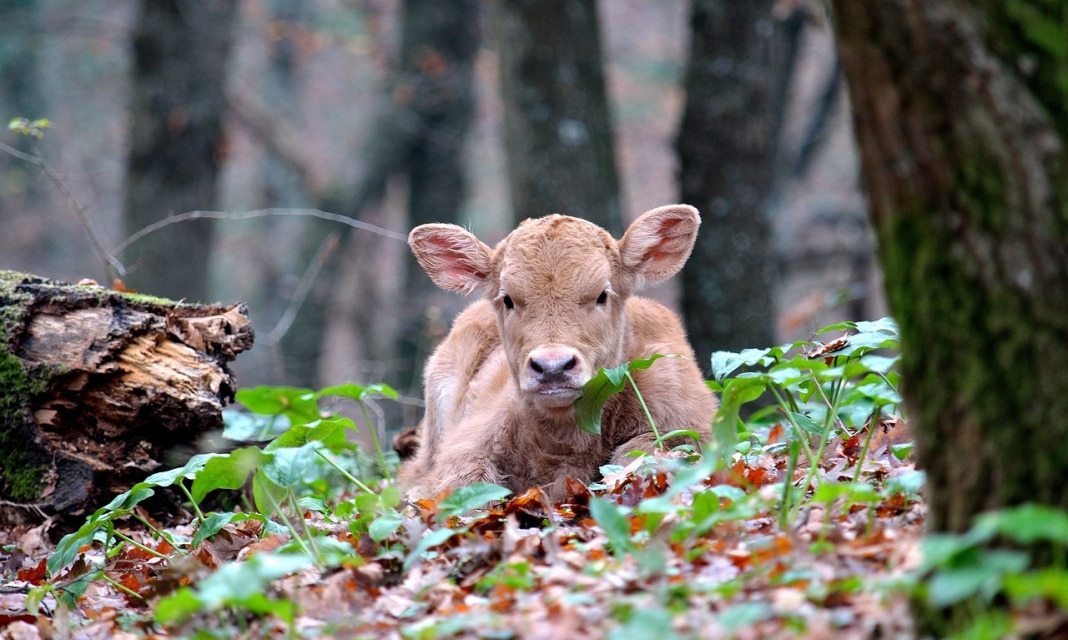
column 963, row 156
column 419, row 133
column 96, row 386
column 20, row 97
column 726, row 154
column 558, row 131
column 176, row 144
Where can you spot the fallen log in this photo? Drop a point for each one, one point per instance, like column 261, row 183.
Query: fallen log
column 97, row 385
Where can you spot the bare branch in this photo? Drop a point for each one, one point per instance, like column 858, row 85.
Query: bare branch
column 259, row 213
column 112, row 266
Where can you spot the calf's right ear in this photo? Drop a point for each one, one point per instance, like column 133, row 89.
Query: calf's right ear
column 453, row 258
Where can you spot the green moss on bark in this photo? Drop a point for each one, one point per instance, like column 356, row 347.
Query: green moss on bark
column 22, row 467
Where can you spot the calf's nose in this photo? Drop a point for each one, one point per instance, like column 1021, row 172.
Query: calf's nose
column 552, row 364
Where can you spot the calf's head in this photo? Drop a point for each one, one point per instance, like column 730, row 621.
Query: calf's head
column 559, row 287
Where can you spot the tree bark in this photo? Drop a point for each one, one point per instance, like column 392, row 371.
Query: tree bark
column 96, row 386
column 963, row 157
column 420, row 133
column 558, row 130
column 726, row 148
column 176, row 141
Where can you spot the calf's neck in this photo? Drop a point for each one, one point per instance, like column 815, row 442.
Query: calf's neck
column 557, row 306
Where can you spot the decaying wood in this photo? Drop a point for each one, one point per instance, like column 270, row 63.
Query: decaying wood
column 97, row 385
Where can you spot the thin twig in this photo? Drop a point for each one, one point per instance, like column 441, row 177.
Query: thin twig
column 258, row 213
column 297, row 301
column 112, row 266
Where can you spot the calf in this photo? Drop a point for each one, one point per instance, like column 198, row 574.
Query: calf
column 558, row 307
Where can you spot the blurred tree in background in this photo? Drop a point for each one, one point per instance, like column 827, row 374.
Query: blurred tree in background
column 177, row 146
column 419, row 134
column 20, row 91
column 557, row 124
column 726, row 147
column 397, row 112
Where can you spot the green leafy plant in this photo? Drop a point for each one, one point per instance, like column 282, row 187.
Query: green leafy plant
column 817, row 390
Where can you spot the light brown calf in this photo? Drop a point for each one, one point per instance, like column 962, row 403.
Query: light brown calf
column 558, row 307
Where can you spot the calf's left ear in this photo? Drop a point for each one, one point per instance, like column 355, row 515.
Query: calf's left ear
column 658, row 243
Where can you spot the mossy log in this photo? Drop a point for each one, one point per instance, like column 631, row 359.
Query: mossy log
column 97, row 385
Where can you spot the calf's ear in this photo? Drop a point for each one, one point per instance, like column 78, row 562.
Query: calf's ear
column 453, row 258
column 658, row 243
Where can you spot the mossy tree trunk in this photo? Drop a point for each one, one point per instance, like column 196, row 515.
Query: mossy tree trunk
column 97, row 386
column 960, row 115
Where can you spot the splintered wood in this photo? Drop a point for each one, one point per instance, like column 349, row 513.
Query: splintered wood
column 98, row 385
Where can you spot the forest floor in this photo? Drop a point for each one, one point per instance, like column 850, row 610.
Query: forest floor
column 660, row 548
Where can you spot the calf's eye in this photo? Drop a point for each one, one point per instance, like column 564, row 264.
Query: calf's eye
column 507, row 300
column 603, row 298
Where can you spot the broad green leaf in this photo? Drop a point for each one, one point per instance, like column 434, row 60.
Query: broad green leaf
column 601, row 387
column 289, row 467
column 295, row 403
column 1049, row 582
column 239, row 584
column 188, row 470
column 68, row 547
column 737, row 392
column 645, row 623
column 615, row 523
column 266, row 493
column 725, row 363
column 385, row 525
column 178, row 606
column 328, row 431
column 472, row 496
column 212, row 525
column 908, row 483
column 984, row 578
column 359, row 392
column 390, row 497
column 806, row 423
column 1027, row 524
column 861, row 492
column 228, row 471
column 127, row 500
column 243, row 426
column 744, row 614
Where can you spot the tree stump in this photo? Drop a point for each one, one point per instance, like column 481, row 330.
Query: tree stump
column 97, row 385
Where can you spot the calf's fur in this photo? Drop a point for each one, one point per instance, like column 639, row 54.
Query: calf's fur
column 558, row 306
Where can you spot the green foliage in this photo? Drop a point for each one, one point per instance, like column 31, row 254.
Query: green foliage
column 968, row 574
column 27, row 127
column 639, row 527
column 604, row 385
column 819, row 391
